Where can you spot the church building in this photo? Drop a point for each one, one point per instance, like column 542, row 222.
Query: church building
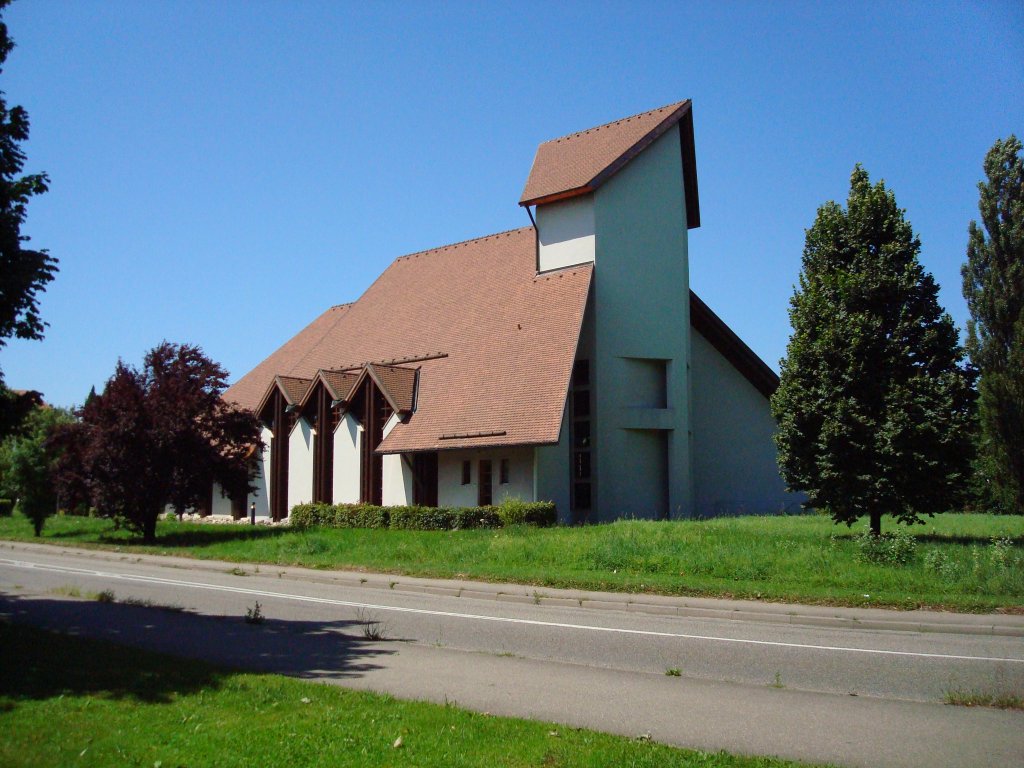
column 565, row 361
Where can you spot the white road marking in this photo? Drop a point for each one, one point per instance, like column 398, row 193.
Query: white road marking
column 479, row 617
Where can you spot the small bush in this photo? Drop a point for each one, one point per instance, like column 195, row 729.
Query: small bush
column 896, row 548
column 6, row 507
column 542, row 514
column 417, row 518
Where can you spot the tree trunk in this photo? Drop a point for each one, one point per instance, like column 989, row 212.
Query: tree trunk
column 876, row 523
column 149, row 529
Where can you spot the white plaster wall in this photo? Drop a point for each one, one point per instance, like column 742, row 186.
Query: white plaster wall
column 300, row 464
column 734, row 459
column 262, row 493
column 396, row 482
column 347, row 439
column 452, row 493
column 221, row 503
column 565, row 232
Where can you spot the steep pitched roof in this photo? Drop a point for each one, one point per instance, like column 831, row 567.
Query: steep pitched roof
column 397, row 383
column 493, row 342
column 293, row 388
column 339, row 383
column 581, row 162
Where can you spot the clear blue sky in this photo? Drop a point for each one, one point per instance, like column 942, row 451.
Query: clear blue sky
column 223, row 172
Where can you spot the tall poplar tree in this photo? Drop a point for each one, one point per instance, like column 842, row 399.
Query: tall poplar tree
column 994, row 289
column 874, row 406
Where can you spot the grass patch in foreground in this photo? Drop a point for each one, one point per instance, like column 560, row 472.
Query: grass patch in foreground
column 978, row 699
column 954, row 563
column 66, row 700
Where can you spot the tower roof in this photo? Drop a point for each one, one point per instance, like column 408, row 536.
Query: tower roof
column 581, row 162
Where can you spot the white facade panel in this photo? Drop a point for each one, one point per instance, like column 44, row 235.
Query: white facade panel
column 452, row 493
column 396, row 482
column 262, row 493
column 300, row 464
column 221, row 503
column 347, row 441
column 565, row 233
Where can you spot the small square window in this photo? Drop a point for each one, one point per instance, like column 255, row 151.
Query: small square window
column 503, row 472
column 467, row 472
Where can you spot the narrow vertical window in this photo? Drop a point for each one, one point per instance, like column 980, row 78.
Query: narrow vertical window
column 580, row 437
column 466, row 472
column 503, row 472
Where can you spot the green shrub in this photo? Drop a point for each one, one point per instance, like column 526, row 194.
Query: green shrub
column 316, row 515
column 417, row 518
column 896, row 548
column 542, row 514
column 6, row 507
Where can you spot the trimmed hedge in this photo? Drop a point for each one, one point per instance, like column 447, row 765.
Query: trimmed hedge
column 539, row 513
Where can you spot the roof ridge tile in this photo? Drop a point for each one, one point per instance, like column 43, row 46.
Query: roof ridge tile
column 414, row 254
column 621, row 120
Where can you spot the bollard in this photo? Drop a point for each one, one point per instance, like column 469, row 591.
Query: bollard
column 252, row 513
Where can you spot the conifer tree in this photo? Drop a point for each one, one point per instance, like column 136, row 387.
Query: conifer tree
column 994, row 289
column 874, row 406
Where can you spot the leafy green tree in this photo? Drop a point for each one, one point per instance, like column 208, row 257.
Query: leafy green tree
column 27, row 461
column 874, row 406
column 159, row 436
column 23, row 272
column 994, row 289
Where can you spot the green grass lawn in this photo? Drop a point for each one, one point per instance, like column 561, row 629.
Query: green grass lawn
column 955, row 564
column 69, row 701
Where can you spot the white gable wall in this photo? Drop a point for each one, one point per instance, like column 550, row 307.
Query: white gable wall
column 452, row 493
column 565, row 233
column 221, row 503
column 347, row 442
column 262, row 493
column 734, row 459
column 300, row 464
column 396, row 483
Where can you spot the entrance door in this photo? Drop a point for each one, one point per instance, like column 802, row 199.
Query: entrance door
column 484, row 493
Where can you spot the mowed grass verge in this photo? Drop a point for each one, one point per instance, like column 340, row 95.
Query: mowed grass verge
column 70, row 701
column 955, row 565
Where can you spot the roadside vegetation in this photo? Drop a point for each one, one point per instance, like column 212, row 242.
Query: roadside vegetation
column 962, row 562
column 102, row 704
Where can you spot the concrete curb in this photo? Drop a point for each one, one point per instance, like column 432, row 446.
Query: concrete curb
column 1007, row 625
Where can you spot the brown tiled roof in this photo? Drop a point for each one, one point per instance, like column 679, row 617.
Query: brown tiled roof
column 580, row 162
column 339, row 383
column 731, row 347
column 397, row 383
column 289, row 359
column 293, row 388
column 493, row 342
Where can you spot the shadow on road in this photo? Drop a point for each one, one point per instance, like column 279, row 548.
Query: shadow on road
column 306, row 649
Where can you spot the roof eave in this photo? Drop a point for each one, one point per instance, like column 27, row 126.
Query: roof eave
column 732, row 347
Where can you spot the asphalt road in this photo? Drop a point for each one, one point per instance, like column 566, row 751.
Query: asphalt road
column 839, row 685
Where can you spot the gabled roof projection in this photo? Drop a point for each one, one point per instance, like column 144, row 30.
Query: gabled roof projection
column 294, row 390
column 397, row 383
column 581, row 162
column 493, row 342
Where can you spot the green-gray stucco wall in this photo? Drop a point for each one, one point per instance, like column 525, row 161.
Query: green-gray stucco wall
column 641, row 324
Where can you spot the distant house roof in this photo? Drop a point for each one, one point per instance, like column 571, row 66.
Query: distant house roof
column 581, row 162
column 493, row 343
